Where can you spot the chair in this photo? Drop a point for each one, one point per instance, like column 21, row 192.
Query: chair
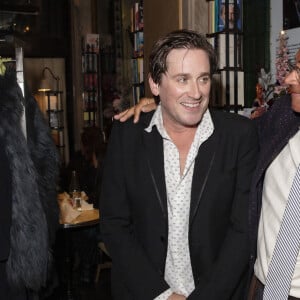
column 104, row 264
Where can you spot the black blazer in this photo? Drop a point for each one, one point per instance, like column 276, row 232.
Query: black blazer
column 134, row 217
column 275, row 129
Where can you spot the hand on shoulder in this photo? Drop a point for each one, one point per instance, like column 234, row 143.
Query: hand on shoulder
column 144, row 105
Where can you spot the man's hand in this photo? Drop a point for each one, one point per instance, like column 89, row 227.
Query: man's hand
column 176, row 297
column 144, row 105
column 259, row 111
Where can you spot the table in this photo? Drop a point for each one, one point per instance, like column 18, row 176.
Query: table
column 85, row 219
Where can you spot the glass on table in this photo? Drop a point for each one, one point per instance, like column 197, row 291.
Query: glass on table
column 75, row 191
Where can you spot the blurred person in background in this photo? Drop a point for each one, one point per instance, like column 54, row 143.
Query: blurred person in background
column 87, row 164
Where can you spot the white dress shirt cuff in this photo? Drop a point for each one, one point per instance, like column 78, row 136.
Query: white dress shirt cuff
column 165, row 295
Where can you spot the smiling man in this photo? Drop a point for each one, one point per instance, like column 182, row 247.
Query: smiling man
column 175, row 188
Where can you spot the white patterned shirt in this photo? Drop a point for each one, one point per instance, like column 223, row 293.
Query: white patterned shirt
column 178, row 269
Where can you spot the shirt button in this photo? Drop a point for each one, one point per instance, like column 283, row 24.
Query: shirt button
column 162, row 239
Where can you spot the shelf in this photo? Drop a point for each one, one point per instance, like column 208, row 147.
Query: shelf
column 54, row 110
column 138, row 84
column 136, row 34
column 55, row 113
column 57, row 127
column 91, row 81
column 226, row 37
column 137, row 56
column 225, row 31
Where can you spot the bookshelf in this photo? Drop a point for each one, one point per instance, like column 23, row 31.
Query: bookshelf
column 137, row 41
column 55, row 116
column 225, row 34
column 91, row 81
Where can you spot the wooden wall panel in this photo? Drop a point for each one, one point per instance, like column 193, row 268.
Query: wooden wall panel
column 160, row 17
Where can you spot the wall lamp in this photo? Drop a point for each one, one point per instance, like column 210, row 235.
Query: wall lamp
column 44, row 86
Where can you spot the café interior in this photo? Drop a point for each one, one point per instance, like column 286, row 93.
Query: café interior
column 74, row 58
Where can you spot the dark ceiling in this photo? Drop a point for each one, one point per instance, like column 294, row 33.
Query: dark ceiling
column 18, row 15
column 39, row 26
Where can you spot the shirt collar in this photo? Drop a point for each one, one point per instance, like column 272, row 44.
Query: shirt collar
column 204, row 130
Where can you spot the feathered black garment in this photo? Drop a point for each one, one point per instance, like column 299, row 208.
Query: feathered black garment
column 34, row 167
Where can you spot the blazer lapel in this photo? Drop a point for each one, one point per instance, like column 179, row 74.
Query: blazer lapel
column 203, row 165
column 155, row 160
column 269, row 153
column 276, row 137
column 154, row 148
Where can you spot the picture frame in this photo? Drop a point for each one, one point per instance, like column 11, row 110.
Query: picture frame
column 234, row 11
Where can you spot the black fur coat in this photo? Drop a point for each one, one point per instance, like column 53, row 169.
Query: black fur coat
column 31, row 195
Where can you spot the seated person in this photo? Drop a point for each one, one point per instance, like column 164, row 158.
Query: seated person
column 259, row 105
column 85, row 162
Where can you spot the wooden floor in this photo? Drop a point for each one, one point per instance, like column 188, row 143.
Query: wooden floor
column 86, row 291
column 83, row 275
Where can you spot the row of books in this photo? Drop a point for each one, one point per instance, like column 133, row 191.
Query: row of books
column 138, row 70
column 138, row 44
column 90, row 101
column 217, row 19
column 90, row 81
column 89, row 118
column 89, row 62
column 91, row 43
column 90, row 69
column 138, row 91
column 137, row 17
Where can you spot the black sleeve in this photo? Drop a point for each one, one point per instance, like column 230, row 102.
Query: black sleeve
column 5, row 204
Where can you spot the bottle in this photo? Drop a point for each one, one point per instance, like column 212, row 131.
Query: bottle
column 74, row 190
